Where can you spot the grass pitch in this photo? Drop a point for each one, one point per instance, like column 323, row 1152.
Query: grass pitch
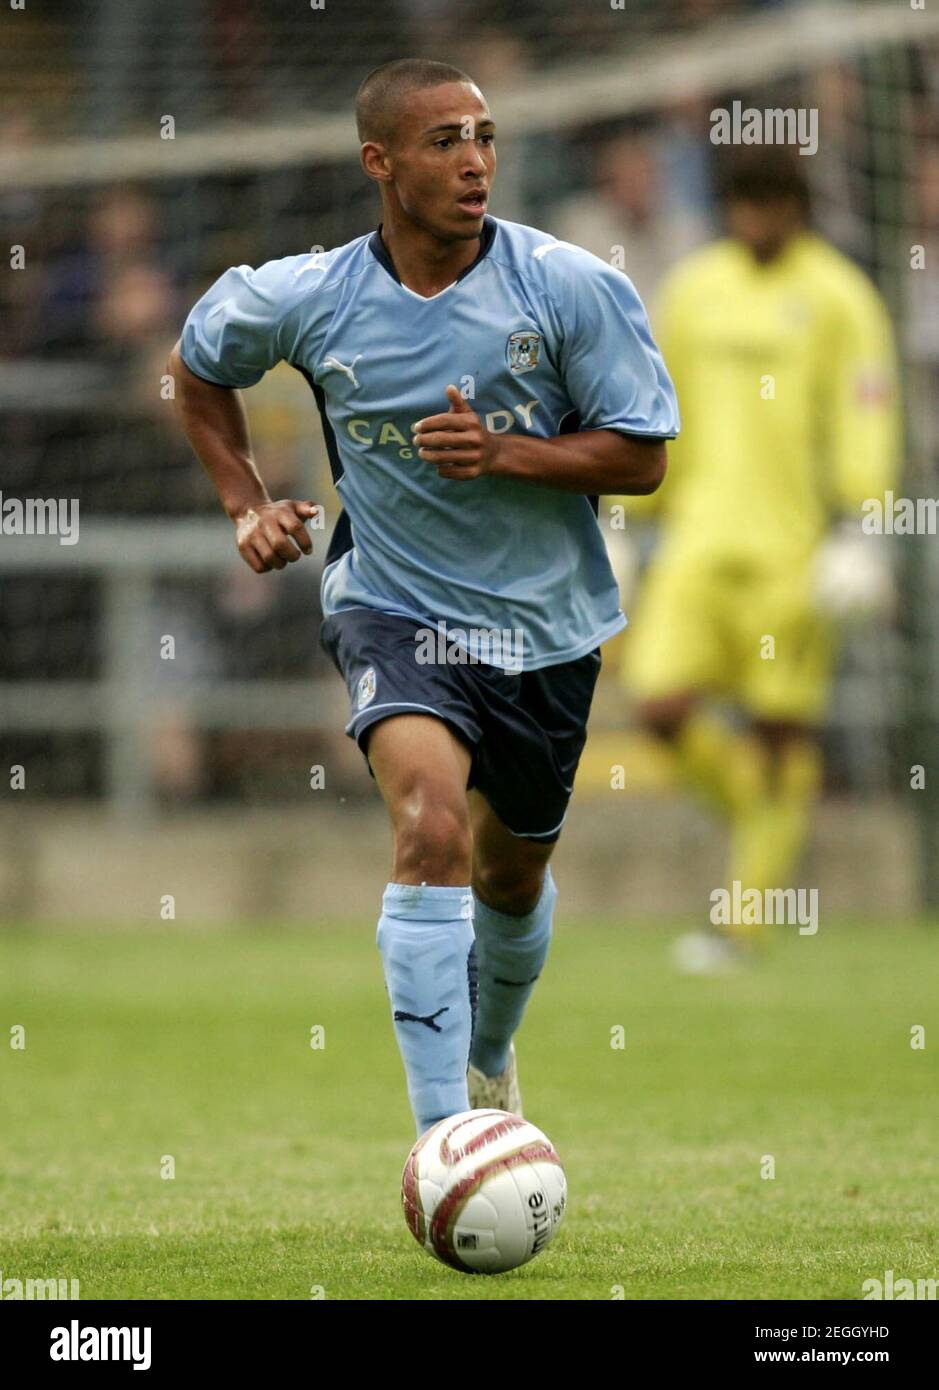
column 195, row 1047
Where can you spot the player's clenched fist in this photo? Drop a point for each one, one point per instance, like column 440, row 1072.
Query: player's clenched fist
column 458, row 442
column 273, row 534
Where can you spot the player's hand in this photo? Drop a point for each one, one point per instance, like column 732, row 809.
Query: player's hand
column 458, row 443
column 273, row 534
column 852, row 578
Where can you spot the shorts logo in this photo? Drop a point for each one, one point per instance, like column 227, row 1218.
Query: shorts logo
column 521, row 351
column 365, row 692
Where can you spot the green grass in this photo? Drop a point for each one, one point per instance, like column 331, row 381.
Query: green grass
column 288, row 1160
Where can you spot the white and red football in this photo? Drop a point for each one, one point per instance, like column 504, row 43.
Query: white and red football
column 483, row 1191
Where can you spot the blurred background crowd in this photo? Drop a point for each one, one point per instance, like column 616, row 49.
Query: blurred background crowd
column 123, row 230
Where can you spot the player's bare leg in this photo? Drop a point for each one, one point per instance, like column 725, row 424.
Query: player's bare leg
column 422, row 768
column 514, row 904
column 425, row 932
column 508, row 870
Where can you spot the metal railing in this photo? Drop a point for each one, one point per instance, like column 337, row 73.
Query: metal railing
column 128, row 558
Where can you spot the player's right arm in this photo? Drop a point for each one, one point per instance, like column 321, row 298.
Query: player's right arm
column 243, row 326
column 215, row 422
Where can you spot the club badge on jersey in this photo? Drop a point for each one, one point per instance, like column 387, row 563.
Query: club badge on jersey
column 521, row 351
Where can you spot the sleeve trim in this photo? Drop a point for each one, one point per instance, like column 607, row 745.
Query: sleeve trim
column 635, row 434
column 202, row 376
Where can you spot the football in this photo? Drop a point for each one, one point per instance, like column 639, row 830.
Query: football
column 483, row 1191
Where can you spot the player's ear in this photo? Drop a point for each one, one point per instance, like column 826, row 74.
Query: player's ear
column 375, row 161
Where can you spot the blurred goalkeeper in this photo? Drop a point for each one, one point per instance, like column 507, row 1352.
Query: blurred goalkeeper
column 782, row 356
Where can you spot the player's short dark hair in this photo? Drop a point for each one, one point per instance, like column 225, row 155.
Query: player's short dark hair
column 765, row 174
column 378, row 99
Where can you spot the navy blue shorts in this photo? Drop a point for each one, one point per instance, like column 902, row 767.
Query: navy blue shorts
column 526, row 729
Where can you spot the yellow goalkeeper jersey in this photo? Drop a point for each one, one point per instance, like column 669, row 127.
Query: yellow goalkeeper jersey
column 787, row 385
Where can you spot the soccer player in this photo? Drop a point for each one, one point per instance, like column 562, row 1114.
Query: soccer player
column 782, row 356
column 480, row 384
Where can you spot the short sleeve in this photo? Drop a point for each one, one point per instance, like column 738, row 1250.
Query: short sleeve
column 244, row 325
column 613, row 371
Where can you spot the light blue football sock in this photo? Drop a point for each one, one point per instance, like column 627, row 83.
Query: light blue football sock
column 510, row 954
column 425, row 936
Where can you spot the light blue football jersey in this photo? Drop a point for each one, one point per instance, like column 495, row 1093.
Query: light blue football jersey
column 540, row 336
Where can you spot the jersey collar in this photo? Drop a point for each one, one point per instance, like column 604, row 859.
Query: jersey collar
column 380, row 251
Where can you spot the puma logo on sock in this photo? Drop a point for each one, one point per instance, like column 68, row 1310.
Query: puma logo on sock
column 427, row 1019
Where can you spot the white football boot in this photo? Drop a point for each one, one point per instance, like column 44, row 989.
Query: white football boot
column 495, row 1092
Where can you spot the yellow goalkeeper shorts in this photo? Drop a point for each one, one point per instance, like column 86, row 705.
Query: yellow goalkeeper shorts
column 734, row 626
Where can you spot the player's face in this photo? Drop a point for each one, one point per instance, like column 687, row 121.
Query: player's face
column 443, row 160
column 764, row 228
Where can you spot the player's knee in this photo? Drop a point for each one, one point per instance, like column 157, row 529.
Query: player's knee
column 433, row 839
column 510, row 888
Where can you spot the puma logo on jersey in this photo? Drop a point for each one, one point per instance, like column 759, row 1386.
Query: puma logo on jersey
column 315, row 262
column 341, row 367
column 540, row 252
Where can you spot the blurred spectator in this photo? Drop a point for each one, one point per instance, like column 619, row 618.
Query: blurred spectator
column 108, row 290
column 625, row 208
column 111, row 267
column 204, row 61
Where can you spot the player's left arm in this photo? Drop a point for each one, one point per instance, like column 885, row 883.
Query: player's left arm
column 859, row 407
column 591, row 461
column 614, row 377
column 859, row 450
